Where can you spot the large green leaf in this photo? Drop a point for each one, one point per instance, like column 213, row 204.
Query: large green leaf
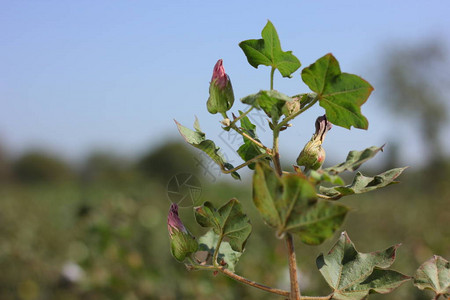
column 198, row 140
column 249, row 150
column 208, row 243
column 354, row 160
column 341, row 94
column 228, row 221
column 267, row 51
column 434, row 274
column 271, row 102
column 289, row 204
column 353, row 275
column 363, row 184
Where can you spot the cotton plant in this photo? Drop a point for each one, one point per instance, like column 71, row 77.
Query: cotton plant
column 301, row 203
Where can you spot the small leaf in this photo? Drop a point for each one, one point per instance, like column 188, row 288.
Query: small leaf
column 267, row 51
column 354, row 160
column 434, row 274
column 290, row 204
column 353, row 275
column 363, row 184
column 228, row 221
column 208, row 243
column 271, row 102
column 249, row 150
column 341, row 94
column 197, row 139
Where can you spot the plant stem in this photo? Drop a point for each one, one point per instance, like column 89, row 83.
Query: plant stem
column 225, row 171
column 254, row 284
column 275, row 152
column 241, row 116
column 260, row 286
column 216, row 251
column 259, row 144
column 272, row 72
column 316, row 297
column 295, row 289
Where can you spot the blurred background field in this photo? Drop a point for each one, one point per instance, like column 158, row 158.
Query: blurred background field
column 88, row 94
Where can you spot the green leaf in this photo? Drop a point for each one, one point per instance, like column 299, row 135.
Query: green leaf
column 208, row 243
column 354, row 160
column 320, row 176
column 289, row 204
column 249, row 150
column 182, row 244
column 267, row 51
column 434, row 274
column 363, row 184
column 271, row 102
column 198, row 140
column 341, row 94
column 353, row 275
column 228, row 221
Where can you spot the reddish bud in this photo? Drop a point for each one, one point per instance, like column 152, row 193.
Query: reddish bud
column 173, row 220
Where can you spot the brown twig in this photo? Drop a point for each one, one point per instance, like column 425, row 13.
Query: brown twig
column 254, row 284
column 295, row 289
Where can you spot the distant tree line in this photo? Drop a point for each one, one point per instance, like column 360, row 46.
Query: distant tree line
column 40, row 166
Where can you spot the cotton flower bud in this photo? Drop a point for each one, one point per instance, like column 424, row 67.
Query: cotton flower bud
column 291, row 107
column 182, row 243
column 221, row 96
column 313, row 155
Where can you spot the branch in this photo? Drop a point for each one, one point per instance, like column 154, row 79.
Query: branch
column 295, row 289
column 240, row 117
column 240, row 279
column 253, row 284
column 246, row 281
column 257, row 143
column 225, row 171
column 216, row 251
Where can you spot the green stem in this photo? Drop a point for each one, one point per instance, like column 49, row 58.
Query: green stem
column 241, row 116
column 216, row 251
column 275, row 152
column 272, row 72
column 257, row 143
column 287, row 119
column 225, row 171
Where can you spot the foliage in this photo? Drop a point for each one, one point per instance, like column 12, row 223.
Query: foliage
column 299, row 204
column 38, row 166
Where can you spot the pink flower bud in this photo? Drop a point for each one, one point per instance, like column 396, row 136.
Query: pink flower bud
column 173, row 220
column 182, row 243
column 219, row 76
column 221, row 96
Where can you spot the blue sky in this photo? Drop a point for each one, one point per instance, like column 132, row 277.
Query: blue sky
column 83, row 75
